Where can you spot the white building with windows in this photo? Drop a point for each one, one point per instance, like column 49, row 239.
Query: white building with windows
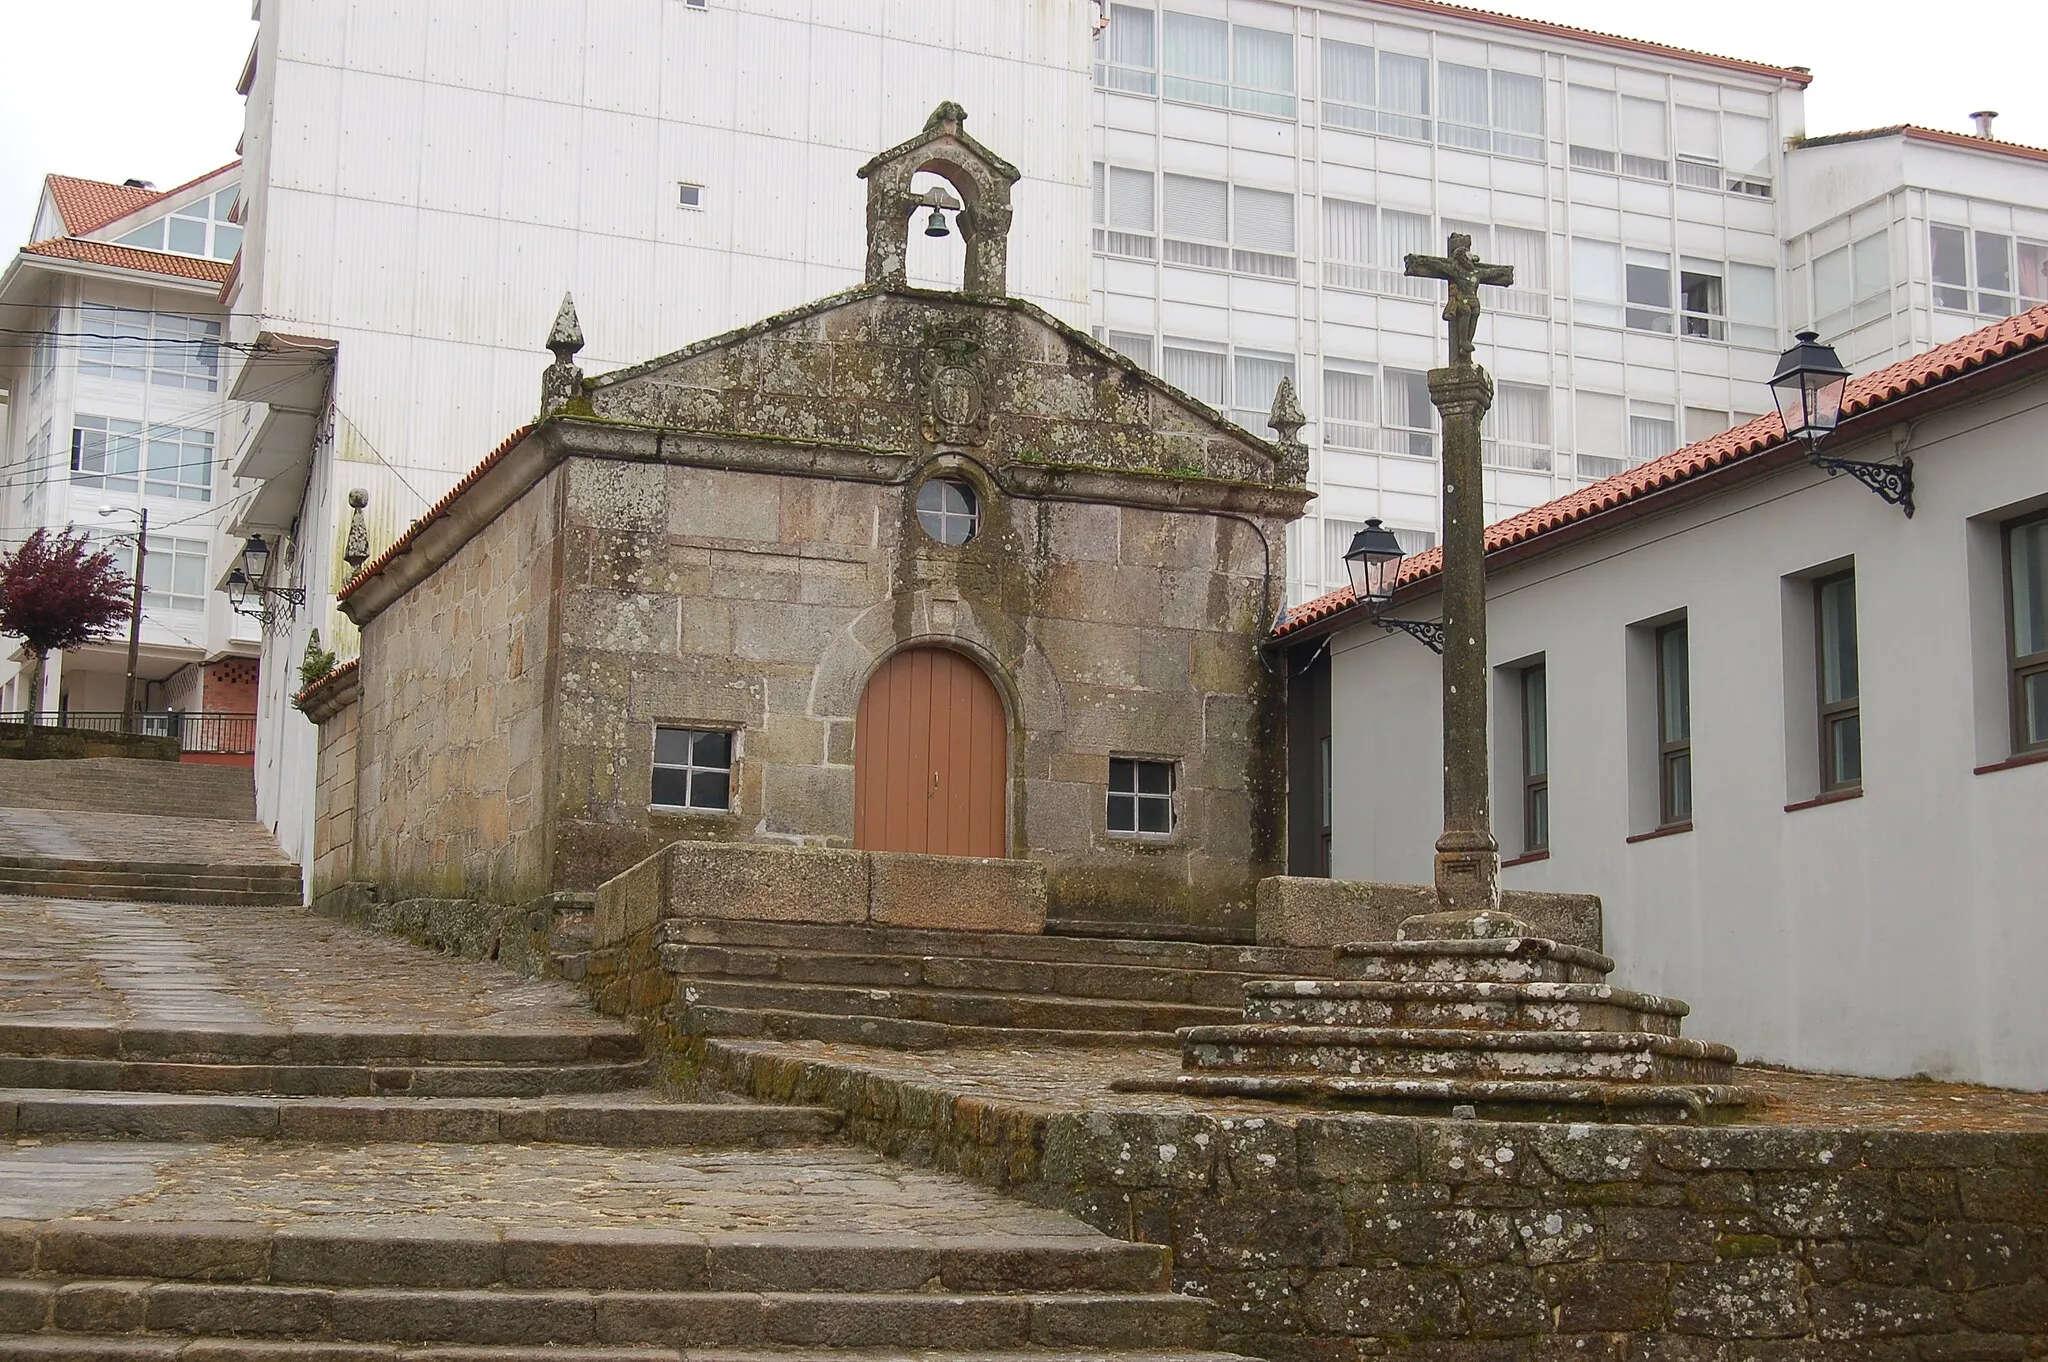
column 424, row 182
column 113, row 364
column 1794, row 739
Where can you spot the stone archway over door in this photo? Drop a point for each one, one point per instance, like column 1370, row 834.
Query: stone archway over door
column 931, row 756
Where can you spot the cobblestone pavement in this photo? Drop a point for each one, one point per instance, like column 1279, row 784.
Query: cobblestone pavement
column 1078, row 1080
column 185, row 965
column 818, row 1190
column 79, row 835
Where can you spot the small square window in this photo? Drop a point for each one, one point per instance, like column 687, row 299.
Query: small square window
column 692, row 768
column 1141, row 796
column 690, row 195
column 696, row 4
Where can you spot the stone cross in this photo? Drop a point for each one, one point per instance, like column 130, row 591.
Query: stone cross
column 1467, row 854
column 1464, row 272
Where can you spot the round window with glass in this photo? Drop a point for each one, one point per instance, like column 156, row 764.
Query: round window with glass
column 948, row 510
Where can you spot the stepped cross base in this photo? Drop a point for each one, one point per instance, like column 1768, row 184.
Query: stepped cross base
column 1468, row 871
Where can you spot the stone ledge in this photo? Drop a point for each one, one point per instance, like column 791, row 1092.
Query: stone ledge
column 1301, row 911
column 756, row 882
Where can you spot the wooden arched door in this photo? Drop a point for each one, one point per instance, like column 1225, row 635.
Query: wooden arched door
column 931, row 758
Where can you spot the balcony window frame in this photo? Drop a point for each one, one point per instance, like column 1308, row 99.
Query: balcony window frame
column 1674, row 753
column 1535, row 698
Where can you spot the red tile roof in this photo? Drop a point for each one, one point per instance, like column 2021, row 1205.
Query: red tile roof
column 2027, row 331
column 334, row 676
column 131, row 258
column 1936, row 135
column 1795, row 75
column 88, row 205
column 434, row 513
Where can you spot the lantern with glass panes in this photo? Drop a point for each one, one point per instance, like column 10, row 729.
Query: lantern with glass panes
column 1809, row 386
column 274, row 604
column 1374, row 562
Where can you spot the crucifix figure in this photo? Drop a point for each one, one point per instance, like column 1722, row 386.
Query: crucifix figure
column 1464, row 272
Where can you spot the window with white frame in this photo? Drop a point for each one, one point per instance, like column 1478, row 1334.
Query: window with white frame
column 1413, row 541
column 1348, row 85
column 1403, row 234
column 1529, row 252
column 106, row 452
column 1201, row 369
column 37, row 471
column 1337, row 537
column 1463, row 115
column 1141, row 796
column 1648, row 279
column 199, row 227
column 1348, row 245
column 1652, row 431
column 1697, row 137
column 1410, row 420
column 692, row 769
column 1645, row 139
column 1852, row 284
column 1126, row 53
column 1600, row 435
column 1404, row 96
column 1746, row 155
column 1593, row 127
column 1254, row 378
column 1124, row 212
column 1974, row 271
column 1516, row 430
column 42, row 363
column 129, row 344
column 1388, row 92
column 1208, row 61
column 173, row 573
column 1703, row 423
column 1350, row 417
column 1214, row 225
column 1132, row 346
column 1596, row 282
column 179, row 463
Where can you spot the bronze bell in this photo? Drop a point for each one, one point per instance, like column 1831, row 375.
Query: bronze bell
column 935, row 225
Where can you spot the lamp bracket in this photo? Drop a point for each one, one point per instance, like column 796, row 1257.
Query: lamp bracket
column 1429, row 633
column 1893, row 482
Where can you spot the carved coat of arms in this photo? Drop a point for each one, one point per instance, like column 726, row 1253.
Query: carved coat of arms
column 955, row 391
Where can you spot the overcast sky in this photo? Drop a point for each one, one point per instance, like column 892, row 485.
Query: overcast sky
column 111, row 89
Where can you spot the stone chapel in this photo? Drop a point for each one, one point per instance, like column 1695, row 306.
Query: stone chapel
column 899, row 571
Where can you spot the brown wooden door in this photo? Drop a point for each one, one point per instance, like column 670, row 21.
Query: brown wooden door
column 931, row 758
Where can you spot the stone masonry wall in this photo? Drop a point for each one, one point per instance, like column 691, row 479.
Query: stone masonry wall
column 1325, row 1236
column 450, row 760
column 334, row 801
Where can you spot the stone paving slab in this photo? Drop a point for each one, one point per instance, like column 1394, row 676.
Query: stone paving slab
column 76, row 834
column 1079, row 1080
column 171, row 965
column 814, row 1190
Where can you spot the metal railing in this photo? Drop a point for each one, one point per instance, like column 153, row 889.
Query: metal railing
column 212, row 733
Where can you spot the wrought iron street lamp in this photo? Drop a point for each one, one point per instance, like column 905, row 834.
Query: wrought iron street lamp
column 275, row 604
column 1809, row 386
column 1374, row 562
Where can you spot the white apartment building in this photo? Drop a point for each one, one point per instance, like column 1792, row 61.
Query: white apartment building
column 113, row 364
column 1795, row 740
column 1223, row 189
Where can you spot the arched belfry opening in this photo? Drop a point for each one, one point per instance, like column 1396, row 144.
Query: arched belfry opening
column 976, row 193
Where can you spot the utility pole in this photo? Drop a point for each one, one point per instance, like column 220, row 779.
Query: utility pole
column 1467, row 855
column 128, row 724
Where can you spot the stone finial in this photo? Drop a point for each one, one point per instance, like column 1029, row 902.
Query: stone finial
column 1286, row 420
column 562, row 382
column 981, row 178
column 357, row 552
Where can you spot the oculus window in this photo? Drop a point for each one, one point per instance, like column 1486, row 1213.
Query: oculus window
column 693, row 768
column 1141, row 796
column 948, row 510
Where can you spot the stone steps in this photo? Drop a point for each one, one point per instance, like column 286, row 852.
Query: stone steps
column 1512, row 960
column 1478, row 1006
column 322, row 1080
column 1412, row 1052
column 131, row 1348
column 632, row 1119
column 897, row 1033
column 921, row 989
column 162, row 789
column 229, row 884
column 307, row 1045
column 953, row 1007
column 73, row 868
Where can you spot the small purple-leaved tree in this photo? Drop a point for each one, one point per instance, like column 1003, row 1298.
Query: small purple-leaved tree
column 56, row 592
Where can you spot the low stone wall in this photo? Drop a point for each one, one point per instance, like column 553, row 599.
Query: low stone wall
column 753, row 882
column 1325, row 1235
column 515, row 935
column 70, row 744
column 1300, row 911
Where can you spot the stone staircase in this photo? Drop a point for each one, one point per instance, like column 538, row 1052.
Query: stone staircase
column 440, row 1160
column 1468, row 1014
column 921, row 989
column 228, row 883
column 151, row 789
